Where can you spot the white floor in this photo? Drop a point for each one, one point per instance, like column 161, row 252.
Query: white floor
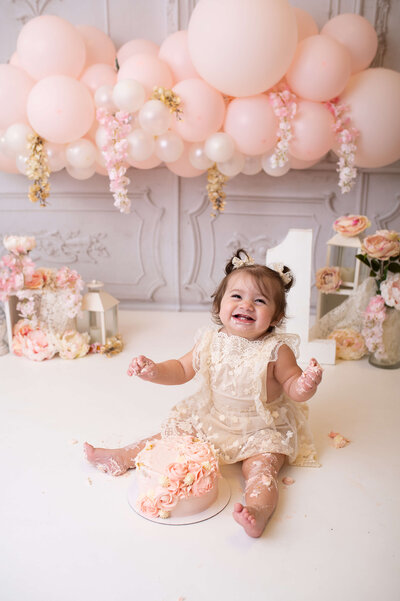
column 68, row 533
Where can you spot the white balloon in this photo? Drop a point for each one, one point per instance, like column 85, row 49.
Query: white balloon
column 128, row 95
column 100, row 160
column 16, row 138
column 252, row 165
column 198, row 157
column 81, row 153
column 101, row 137
column 56, row 158
column 103, row 98
column 232, row 166
column 141, row 145
column 155, row 117
column 219, row 147
column 20, row 162
column 78, row 173
column 270, row 169
column 169, row 147
column 4, row 147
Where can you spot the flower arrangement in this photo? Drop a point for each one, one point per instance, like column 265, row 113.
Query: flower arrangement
column 351, row 225
column 33, row 336
column 327, row 279
column 346, row 135
column 350, row 344
column 115, row 152
column 284, row 104
column 381, row 253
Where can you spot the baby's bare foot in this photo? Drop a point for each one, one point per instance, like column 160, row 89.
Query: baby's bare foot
column 253, row 520
column 111, row 461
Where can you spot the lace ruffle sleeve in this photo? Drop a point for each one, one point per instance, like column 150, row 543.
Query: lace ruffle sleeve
column 291, row 340
column 201, row 338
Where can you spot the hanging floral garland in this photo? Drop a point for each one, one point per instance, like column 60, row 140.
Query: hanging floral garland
column 215, row 188
column 346, row 135
column 284, row 104
column 115, row 152
column 37, row 169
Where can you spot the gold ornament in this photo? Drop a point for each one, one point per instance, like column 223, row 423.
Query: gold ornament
column 215, row 188
column 170, row 99
column 113, row 346
column 37, row 169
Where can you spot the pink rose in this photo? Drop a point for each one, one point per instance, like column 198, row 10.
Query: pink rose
column 376, row 308
column 37, row 346
column 350, row 345
column 390, row 290
column 36, row 281
column 177, row 471
column 199, row 452
column 20, row 330
column 327, row 279
column 203, row 486
column 174, row 487
column 165, row 500
column 351, row 225
column 148, row 506
column 382, row 245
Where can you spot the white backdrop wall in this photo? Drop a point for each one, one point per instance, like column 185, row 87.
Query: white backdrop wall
column 169, row 253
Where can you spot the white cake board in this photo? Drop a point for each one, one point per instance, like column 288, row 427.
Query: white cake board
column 222, row 500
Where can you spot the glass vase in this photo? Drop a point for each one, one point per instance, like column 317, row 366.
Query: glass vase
column 390, row 357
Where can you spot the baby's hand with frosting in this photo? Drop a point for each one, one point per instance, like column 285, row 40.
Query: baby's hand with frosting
column 310, row 378
column 143, row 367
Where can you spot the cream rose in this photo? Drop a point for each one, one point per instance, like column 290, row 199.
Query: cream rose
column 351, row 225
column 327, row 279
column 382, row 245
column 350, row 345
column 73, row 344
column 19, row 245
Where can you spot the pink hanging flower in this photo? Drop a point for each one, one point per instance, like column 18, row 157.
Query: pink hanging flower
column 284, row 104
column 346, row 136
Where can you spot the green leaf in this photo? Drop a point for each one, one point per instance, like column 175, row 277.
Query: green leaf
column 363, row 259
column 375, row 264
column 372, row 273
column 394, row 267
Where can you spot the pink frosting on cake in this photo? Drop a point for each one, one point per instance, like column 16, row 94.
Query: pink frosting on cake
column 177, row 476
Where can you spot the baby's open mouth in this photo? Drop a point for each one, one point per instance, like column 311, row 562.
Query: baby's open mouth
column 243, row 317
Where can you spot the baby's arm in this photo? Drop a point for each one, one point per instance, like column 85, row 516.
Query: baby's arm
column 173, row 371
column 299, row 385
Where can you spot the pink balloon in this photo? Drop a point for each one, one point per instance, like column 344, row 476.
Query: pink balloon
column 312, row 129
column 374, row 99
column 203, row 110
column 60, row 109
column 252, row 124
column 48, row 45
column 138, row 46
column 8, row 165
column 14, row 60
column 99, row 46
column 306, row 26
column 99, row 75
column 183, row 166
column 242, row 47
column 101, row 170
column 15, row 86
column 299, row 164
column 153, row 161
column 320, row 68
column 175, row 52
column 357, row 35
column 148, row 70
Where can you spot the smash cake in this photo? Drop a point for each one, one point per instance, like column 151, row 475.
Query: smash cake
column 176, row 477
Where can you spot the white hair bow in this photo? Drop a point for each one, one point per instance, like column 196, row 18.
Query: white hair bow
column 236, row 262
column 279, row 267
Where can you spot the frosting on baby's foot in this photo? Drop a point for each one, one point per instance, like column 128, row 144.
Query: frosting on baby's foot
column 110, row 461
column 253, row 520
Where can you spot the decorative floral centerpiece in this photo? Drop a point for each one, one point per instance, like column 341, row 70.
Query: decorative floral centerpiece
column 381, row 325
column 48, row 299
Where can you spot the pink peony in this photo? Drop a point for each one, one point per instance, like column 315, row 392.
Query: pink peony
column 382, row 245
column 351, row 225
column 19, row 245
column 390, row 290
column 350, row 345
column 327, row 279
column 376, row 308
column 37, row 346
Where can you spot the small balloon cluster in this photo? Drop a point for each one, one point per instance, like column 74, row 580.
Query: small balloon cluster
column 248, row 95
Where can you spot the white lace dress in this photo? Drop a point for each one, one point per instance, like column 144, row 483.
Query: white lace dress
column 231, row 410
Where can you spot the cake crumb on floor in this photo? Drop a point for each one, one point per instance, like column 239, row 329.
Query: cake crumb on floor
column 339, row 441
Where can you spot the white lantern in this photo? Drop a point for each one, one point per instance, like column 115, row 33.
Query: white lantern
column 100, row 313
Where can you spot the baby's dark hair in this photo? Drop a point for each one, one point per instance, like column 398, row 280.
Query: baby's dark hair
column 260, row 273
